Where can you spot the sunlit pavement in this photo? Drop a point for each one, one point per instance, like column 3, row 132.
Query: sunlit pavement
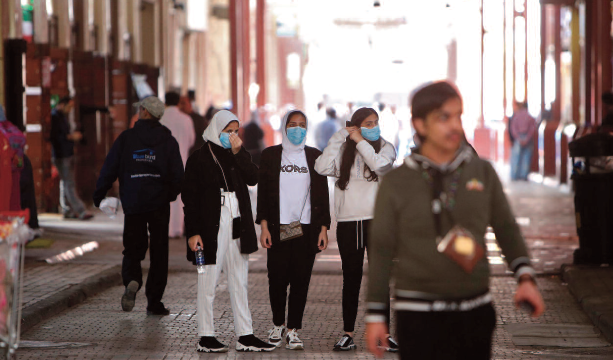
column 98, row 328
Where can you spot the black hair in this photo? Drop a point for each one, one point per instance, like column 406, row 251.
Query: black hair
column 349, row 152
column 521, row 104
column 331, row 112
column 210, row 112
column 64, row 100
column 191, row 94
column 607, row 97
column 431, row 97
column 172, row 98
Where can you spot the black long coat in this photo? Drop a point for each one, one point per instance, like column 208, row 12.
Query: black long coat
column 201, row 197
column 268, row 194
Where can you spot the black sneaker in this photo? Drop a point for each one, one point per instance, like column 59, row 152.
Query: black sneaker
column 392, row 345
column 158, row 309
column 129, row 296
column 70, row 215
column 251, row 343
column 85, row 216
column 345, row 344
column 208, row 344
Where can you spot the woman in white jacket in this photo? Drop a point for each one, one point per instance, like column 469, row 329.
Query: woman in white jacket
column 356, row 156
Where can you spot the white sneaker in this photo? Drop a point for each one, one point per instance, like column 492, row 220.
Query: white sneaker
column 293, row 341
column 275, row 335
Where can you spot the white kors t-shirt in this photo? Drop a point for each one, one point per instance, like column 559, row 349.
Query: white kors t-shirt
column 294, row 184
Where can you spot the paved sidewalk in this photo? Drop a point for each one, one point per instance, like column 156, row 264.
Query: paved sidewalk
column 105, row 332
column 545, row 215
column 42, row 281
column 593, row 287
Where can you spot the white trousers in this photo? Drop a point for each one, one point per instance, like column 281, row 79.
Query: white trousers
column 175, row 226
column 236, row 266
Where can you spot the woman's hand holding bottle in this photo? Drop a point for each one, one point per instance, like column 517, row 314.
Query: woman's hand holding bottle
column 194, row 242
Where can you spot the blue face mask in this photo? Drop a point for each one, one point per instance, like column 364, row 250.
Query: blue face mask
column 225, row 140
column 371, row 134
column 296, row 135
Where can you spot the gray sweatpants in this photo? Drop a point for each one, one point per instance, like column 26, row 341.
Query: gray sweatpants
column 69, row 200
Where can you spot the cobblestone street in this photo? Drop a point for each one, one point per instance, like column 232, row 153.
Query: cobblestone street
column 98, row 329
column 108, row 333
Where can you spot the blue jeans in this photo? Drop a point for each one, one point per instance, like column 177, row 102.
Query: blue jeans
column 521, row 160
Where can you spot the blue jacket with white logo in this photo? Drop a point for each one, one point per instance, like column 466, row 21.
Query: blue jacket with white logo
column 147, row 162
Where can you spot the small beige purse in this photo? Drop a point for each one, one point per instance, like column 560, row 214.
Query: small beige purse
column 293, row 230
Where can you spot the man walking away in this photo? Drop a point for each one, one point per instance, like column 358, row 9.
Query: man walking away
column 62, row 141
column 431, row 217
column 523, row 128
column 182, row 128
column 147, row 162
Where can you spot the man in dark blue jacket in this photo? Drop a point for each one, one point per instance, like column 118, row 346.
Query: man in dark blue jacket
column 147, row 162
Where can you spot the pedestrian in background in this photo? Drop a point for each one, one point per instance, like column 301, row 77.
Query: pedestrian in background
column 218, row 220
column 326, row 129
column 147, row 161
column 431, row 217
column 291, row 194
column 182, row 129
column 356, row 156
column 523, row 128
column 28, row 194
column 191, row 95
column 198, row 121
column 253, row 135
column 63, row 140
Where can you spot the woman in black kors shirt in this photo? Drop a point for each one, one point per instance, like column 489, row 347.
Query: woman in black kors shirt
column 294, row 212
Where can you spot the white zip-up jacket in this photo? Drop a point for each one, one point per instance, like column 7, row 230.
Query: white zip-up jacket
column 357, row 202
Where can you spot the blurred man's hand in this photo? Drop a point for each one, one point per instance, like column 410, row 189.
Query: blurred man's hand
column 376, row 334
column 527, row 291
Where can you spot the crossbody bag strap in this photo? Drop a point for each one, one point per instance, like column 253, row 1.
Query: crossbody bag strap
column 304, row 205
column 218, row 164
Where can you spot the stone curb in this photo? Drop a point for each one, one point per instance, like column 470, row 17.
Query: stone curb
column 72, row 296
column 592, row 286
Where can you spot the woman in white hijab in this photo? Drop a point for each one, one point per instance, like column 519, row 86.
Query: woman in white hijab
column 294, row 212
column 215, row 196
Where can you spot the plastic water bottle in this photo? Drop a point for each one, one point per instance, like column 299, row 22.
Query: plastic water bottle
column 200, row 260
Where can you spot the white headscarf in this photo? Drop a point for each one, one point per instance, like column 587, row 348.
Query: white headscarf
column 220, row 120
column 286, row 144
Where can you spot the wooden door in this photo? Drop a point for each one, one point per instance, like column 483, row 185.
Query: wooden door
column 38, row 126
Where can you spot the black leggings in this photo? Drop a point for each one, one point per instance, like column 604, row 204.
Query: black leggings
column 290, row 263
column 446, row 335
column 349, row 236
